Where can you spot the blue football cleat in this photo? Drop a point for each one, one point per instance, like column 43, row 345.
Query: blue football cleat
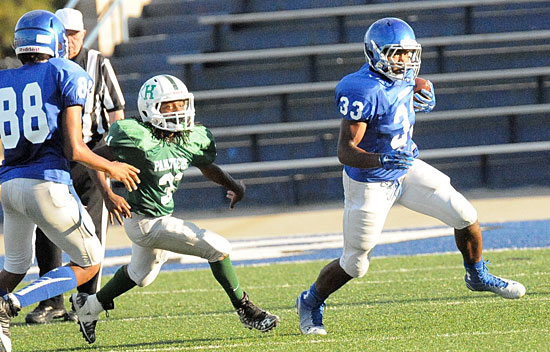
column 311, row 318
column 481, row 280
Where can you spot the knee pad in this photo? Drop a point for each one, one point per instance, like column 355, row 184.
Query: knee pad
column 18, row 265
column 145, row 280
column 465, row 213
column 144, row 275
column 359, row 241
column 355, row 266
column 355, row 261
column 213, row 245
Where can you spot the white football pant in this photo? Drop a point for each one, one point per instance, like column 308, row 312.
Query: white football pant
column 153, row 237
column 55, row 209
column 423, row 189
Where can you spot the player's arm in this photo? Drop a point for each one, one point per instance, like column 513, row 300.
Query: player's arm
column 351, row 134
column 117, row 206
column 235, row 189
column 76, row 150
column 115, row 116
column 349, row 153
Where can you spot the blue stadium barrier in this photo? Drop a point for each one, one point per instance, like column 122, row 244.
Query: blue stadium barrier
column 167, row 24
column 296, row 187
column 283, row 5
column 518, row 12
column 162, row 8
column 320, row 105
column 502, row 171
column 334, row 67
column 166, row 44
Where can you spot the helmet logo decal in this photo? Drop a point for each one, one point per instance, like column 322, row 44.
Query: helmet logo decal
column 44, row 39
column 149, row 91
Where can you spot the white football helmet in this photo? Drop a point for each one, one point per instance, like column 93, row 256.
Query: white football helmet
column 164, row 88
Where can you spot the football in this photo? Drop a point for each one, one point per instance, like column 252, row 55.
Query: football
column 421, row 83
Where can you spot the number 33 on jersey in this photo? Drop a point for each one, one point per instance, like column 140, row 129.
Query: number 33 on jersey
column 161, row 163
column 387, row 109
column 385, row 106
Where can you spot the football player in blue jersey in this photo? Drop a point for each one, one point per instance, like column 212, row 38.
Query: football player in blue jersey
column 40, row 127
column 377, row 105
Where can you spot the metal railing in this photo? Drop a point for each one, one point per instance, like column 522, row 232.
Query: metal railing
column 91, row 36
column 314, row 51
column 441, row 153
column 295, row 88
column 341, row 12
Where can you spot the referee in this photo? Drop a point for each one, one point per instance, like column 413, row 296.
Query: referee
column 104, row 105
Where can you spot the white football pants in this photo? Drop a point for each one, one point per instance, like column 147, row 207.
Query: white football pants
column 55, row 208
column 153, row 237
column 423, row 189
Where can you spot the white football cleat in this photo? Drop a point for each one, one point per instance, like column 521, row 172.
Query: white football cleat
column 87, row 309
column 311, row 318
column 482, row 280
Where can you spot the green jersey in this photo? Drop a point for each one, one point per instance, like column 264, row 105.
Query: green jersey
column 161, row 164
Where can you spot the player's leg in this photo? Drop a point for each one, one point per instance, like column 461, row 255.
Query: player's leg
column 365, row 210
column 18, row 236
column 52, row 207
column 92, row 199
column 56, row 211
column 429, row 191
column 48, row 257
column 250, row 315
column 144, row 267
column 175, row 235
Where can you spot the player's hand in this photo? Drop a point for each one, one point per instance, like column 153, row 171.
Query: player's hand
column 118, row 207
column 424, row 101
column 125, row 173
column 236, row 194
column 396, row 159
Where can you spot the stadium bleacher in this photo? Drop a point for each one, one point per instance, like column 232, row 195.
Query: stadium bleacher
column 258, row 64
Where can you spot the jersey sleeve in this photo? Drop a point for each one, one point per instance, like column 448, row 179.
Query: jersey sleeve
column 124, row 134
column 355, row 102
column 128, row 140
column 75, row 83
column 118, row 136
column 202, row 145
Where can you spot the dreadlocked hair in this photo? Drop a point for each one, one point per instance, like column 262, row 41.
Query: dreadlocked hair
column 167, row 136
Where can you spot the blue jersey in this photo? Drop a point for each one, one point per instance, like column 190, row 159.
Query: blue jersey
column 31, row 100
column 386, row 106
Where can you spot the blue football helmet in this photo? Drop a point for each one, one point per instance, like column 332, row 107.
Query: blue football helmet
column 384, row 39
column 40, row 31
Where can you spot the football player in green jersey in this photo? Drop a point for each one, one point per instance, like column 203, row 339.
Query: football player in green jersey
column 163, row 145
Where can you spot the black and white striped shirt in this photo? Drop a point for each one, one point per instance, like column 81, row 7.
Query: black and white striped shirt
column 106, row 95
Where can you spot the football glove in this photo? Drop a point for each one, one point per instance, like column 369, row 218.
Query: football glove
column 396, row 159
column 424, row 101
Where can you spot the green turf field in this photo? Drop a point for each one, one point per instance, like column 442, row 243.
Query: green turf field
column 403, row 304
